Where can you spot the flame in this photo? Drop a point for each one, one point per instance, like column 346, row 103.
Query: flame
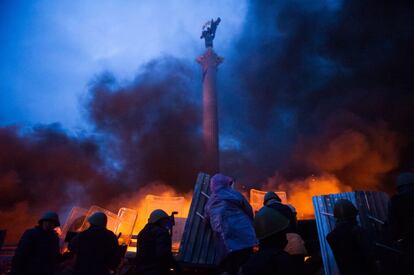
column 300, row 193
column 173, row 202
column 160, row 196
column 257, row 197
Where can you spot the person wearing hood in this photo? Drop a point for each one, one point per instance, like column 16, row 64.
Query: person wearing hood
column 401, row 220
column 271, row 227
column 350, row 243
column 154, row 256
column 96, row 249
column 38, row 248
column 231, row 218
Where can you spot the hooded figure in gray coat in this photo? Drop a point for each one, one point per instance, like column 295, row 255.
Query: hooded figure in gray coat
column 231, row 217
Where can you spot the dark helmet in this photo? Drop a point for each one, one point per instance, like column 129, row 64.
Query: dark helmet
column 98, row 219
column 344, row 209
column 271, row 195
column 157, row 215
column 269, row 221
column 50, row 216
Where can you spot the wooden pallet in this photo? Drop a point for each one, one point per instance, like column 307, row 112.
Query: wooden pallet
column 372, row 208
column 198, row 244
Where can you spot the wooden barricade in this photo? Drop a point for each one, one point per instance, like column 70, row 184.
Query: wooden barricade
column 197, row 244
column 372, row 207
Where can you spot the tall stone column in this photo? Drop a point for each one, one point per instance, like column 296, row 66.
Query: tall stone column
column 209, row 62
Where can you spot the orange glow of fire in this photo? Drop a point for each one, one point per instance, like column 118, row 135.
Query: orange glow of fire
column 160, row 196
column 173, row 202
column 300, row 193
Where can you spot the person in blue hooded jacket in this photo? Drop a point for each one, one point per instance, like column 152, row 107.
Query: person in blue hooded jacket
column 231, row 218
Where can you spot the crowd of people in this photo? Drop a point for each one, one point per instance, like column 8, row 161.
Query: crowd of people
column 266, row 242
column 93, row 251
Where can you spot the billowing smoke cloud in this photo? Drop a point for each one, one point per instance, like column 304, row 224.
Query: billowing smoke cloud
column 46, row 169
column 145, row 131
column 360, row 154
column 151, row 126
column 323, row 86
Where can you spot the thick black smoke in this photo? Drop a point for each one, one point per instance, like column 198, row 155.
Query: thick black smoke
column 145, row 131
column 150, row 128
column 47, row 169
column 323, row 86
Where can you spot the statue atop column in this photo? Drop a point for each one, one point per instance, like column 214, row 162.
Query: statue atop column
column 209, row 62
column 209, row 31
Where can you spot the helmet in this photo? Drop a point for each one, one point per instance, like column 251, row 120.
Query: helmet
column 406, row 178
column 98, row 219
column 50, row 216
column 157, row 215
column 344, row 209
column 271, row 195
column 269, row 221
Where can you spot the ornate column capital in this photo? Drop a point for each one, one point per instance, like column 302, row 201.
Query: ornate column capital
column 209, row 59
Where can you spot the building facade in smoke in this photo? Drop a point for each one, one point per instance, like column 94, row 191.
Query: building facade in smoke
column 209, row 62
